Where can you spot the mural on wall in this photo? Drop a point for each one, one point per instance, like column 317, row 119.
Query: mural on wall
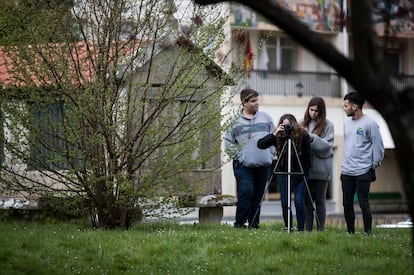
column 402, row 17
column 319, row 15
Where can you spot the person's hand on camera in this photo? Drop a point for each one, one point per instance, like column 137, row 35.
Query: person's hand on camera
column 280, row 128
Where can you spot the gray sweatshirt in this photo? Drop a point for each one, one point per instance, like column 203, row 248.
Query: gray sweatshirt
column 322, row 152
column 364, row 148
column 240, row 140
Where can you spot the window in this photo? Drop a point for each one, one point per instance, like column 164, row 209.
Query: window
column 282, row 52
column 49, row 148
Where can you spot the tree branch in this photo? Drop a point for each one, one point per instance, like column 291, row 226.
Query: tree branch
column 300, row 32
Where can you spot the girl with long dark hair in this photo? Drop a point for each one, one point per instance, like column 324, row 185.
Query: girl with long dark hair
column 289, row 128
column 321, row 132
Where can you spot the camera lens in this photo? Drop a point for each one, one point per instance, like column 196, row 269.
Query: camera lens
column 288, row 129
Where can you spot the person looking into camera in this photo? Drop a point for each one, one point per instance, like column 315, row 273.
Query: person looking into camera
column 251, row 166
column 321, row 131
column 288, row 128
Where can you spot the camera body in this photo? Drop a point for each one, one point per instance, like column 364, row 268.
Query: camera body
column 288, row 129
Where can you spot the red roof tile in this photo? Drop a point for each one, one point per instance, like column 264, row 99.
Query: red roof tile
column 78, row 64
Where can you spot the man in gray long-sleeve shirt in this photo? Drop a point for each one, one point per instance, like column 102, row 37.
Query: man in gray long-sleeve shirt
column 364, row 151
column 251, row 165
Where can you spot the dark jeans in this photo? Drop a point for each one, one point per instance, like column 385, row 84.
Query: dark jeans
column 251, row 183
column 360, row 185
column 299, row 192
column 317, row 190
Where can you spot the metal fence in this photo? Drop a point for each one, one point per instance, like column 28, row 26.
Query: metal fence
column 403, row 81
column 294, row 83
column 305, row 83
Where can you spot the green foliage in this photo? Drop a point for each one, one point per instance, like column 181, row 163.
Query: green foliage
column 20, row 22
column 170, row 248
column 128, row 115
column 69, row 207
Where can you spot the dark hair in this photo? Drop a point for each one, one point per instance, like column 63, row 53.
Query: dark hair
column 297, row 131
column 289, row 117
column 247, row 94
column 356, row 98
column 320, row 119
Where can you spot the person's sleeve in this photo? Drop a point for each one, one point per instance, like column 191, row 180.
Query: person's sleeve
column 231, row 147
column 272, row 128
column 272, row 125
column 377, row 146
column 266, row 141
column 322, row 146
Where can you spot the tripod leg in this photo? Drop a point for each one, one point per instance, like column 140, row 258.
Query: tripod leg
column 315, row 204
column 268, row 183
column 286, row 211
column 309, row 213
column 308, row 192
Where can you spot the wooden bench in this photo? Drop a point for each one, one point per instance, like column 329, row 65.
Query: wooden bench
column 210, row 206
column 386, row 202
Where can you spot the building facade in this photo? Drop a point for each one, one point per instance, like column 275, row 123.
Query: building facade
column 286, row 75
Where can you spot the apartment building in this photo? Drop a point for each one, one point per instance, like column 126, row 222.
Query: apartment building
column 287, row 75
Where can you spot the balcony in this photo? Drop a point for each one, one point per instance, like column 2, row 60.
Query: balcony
column 280, row 83
column 402, row 81
column 294, row 83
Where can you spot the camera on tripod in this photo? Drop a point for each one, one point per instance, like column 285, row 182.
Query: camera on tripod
column 288, row 129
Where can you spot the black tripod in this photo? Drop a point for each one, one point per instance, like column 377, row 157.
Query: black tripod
column 288, row 145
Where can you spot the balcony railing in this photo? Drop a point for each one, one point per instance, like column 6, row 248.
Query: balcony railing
column 294, row 83
column 305, row 83
column 402, row 81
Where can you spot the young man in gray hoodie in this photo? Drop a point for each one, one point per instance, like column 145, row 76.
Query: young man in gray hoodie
column 364, row 151
column 251, row 165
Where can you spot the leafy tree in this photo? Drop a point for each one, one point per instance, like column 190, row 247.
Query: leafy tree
column 20, row 19
column 367, row 72
column 126, row 117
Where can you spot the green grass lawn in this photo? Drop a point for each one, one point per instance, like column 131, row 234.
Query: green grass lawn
column 170, row 248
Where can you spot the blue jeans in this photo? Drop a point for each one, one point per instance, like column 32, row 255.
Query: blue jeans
column 317, row 190
column 251, row 183
column 360, row 185
column 299, row 192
